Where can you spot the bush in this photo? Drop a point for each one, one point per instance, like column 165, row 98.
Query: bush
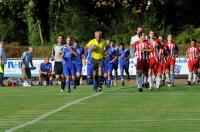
column 188, row 34
column 6, row 27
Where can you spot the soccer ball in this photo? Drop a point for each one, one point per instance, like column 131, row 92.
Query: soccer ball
column 94, row 47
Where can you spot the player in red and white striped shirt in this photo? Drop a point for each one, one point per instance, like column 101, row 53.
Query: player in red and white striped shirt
column 160, row 61
column 193, row 55
column 153, row 60
column 172, row 50
column 141, row 50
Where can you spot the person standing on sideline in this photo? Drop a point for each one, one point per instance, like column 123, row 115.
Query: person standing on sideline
column 2, row 62
column 192, row 55
column 26, row 59
column 97, row 46
column 58, row 67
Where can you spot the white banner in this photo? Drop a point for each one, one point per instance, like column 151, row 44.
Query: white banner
column 13, row 67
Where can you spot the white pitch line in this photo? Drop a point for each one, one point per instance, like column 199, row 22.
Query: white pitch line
column 51, row 112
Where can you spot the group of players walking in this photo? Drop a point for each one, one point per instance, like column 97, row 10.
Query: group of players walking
column 155, row 61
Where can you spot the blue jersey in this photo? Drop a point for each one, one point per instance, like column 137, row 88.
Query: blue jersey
column 46, row 67
column 26, row 58
column 123, row 54
column 80, row 51
column 68, row 57
column 112, row 53
column 88, row 56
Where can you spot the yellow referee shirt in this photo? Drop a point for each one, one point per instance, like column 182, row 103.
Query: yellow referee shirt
column 99, row 52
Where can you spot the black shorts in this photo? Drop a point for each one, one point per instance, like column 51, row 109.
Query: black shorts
column 45, row 77
column 97, row 63
column 58, row 68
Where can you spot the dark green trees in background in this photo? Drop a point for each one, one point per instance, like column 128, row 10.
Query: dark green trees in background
column 38, row 22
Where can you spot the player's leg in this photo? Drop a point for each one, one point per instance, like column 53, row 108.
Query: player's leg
column 89, row 74
column 28, row 74
column 95, row 75
column 78, row 73
column 190, row 65
column 159, row 76
column 198, row 72
column 115, row 67
column 172, row 64
column 150, row 78
column 73, row 74
column 127, row 70
column 100, row 75
column 50, row 79
column 66, row 72
column 122, row 73
column 145, row 71
column 139, row 71
column 195, row 71
column 167, row 73
column 56, row 71
column 110, row 69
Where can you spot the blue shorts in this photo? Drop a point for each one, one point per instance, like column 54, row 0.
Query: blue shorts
column 124, row 66
column 115, row 64
column 105, row 68
column 78, row 68
column 89, row 70
column 112, row 67
column 69, row 69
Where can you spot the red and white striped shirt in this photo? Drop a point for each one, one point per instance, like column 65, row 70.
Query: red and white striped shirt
column 154, row 47
column 138, row 49
column 192, row 53
column 172, row 49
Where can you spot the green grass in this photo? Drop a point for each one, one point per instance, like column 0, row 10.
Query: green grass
column 116, row 110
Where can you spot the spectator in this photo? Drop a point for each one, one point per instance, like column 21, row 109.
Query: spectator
column 2, row 62
column 45, row 72
column 26, row 70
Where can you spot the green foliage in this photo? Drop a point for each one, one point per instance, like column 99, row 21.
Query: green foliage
column 32, row 23
column 188, row 33
column 6, row 29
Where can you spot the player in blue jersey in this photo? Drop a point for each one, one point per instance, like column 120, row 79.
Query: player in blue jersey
column 78, row 60
column 88, row 61
column 45, row 72
column 68, row 55
column 124, row 55
column 115, row 63
column 112, row 62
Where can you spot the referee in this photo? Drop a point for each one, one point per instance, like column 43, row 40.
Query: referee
column 97, row 46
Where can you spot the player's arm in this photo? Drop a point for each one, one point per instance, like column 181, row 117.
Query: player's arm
column 31, row 63
column 23, row 58
column 198, row 55
column 85, row 57
column 53, row 53
column 176, row 50
column 187, row 54
column 113, row 59
column 40, row 70
column 90, row 46
column 60, row 55
column 73, row 51
column 128, row 56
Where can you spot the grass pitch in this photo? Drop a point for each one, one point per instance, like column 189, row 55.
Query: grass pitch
column 118, row 109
